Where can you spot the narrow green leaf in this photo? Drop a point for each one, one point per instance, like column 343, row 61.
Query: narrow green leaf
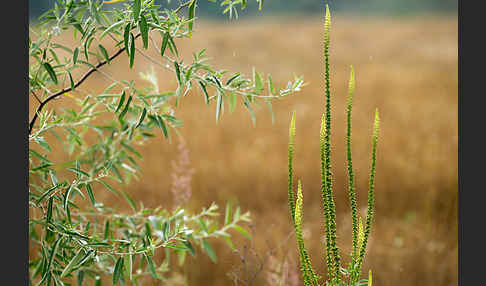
column 229, row 242
column 125, row 109
column 227, row 214
column 47, row 165
column 216, row 79
column 118, row 270
column 86, row 49
column 247, row 103
column 43, row 158
column 235, row 76
column 206, row 96
column 189, row 246
column 79, row 172
column 129, row 200
column 71, row 81
column 192, row 9
column 87, row 64
column 64, row 48
column 120, row 103
column 126, row 37
column 189, row 73
column 74, row 261
column 66, row 201
column 75, row 55
column 165, row 40
column 173, row 46
column 132, row 49
column 108, row 186
column 136, row 9
column 51, row 72
column 104, row 52
column 178, row 72
column 162, row 125
column 79, row 28
column 144, row 30
column 110, row 87
column 271, row 86
column 242, row 231
column 131, row 149
column 151, row 266
column 209, row 250
column 53, row 253
column 111, row 28
column 46, row 193
column 128, row 266
column 219, row 103
column 90, row 194
column 236, row 215
column 49, row 210
column 232, row 101
column 42, row 143
column 107, row 229
column 142, row 117
column 49, row 233
column 177, row 247
column 258, row 82
column 54, row 55
column 98, row 244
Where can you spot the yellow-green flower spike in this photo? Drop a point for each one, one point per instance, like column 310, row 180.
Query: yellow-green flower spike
column 376, row 126
column 290, row 157
column 351, row 185
column 308, row 274
column 371, row 194
column 324, row 194
column 327, row 23
column 360, row 237
column 370, row 279
column 327, row 152
column 298, row 208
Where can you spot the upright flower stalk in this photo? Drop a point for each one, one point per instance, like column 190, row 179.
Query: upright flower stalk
column 351, row 184
column 337, row 275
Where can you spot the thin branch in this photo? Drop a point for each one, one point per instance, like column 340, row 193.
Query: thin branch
column 35, row 95
column 153, row 60
column 83, row 78
column 182, row 6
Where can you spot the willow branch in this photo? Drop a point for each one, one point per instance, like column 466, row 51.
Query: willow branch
column 83, row 78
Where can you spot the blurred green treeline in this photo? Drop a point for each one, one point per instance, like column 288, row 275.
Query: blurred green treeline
column 209, row 9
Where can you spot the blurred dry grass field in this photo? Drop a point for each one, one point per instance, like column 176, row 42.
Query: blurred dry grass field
column 406, row 67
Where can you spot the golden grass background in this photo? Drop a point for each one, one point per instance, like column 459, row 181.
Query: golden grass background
column 406, row 67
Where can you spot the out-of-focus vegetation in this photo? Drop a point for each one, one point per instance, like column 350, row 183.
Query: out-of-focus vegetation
column 210, row 9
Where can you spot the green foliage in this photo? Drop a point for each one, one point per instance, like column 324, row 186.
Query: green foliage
column 337, row 274
column 74, row 236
